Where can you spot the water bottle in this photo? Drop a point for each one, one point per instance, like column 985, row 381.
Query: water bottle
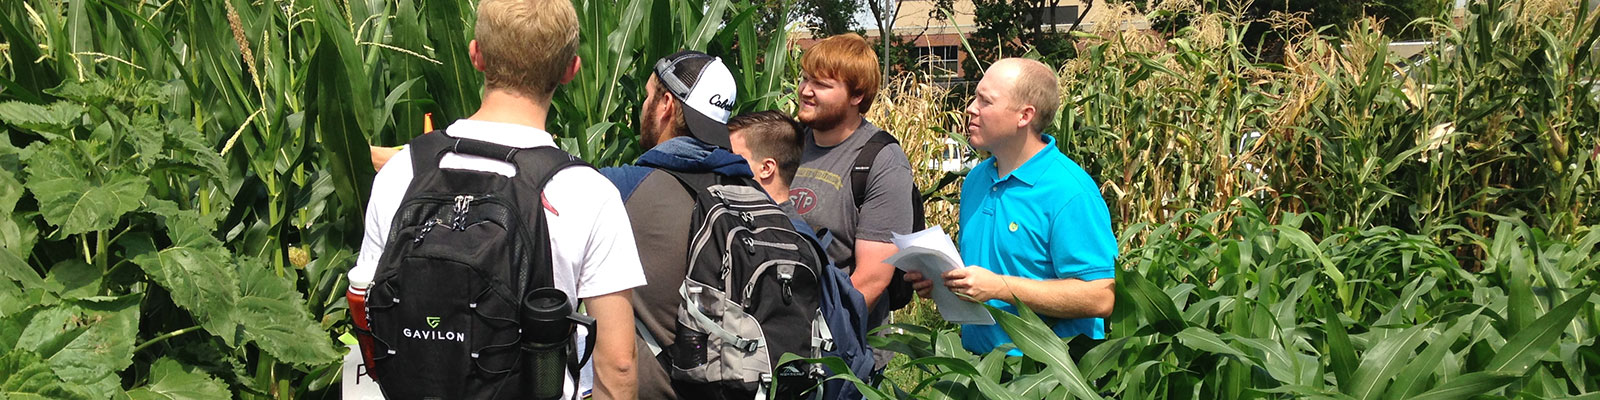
column 688, row 348
column 357, row 297
column 547, row 329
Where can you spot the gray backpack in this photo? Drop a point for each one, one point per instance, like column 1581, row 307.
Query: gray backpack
column 751, row 296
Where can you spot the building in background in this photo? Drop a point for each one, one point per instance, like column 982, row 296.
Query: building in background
column 936, row 35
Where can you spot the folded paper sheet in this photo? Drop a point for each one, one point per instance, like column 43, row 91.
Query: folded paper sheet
column 932, row 253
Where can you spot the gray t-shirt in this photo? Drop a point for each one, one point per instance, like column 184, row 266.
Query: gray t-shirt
column 824, row 197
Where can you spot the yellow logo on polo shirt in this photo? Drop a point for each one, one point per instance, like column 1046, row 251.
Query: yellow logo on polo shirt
column 1013, row 226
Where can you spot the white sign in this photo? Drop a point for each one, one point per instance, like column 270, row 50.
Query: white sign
column 358, row 385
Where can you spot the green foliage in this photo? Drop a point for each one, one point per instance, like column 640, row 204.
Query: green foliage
column 1344, row 224
column 827, row 17
column 1009, row 28
column 203, row 167
column 170, row 380
column 1248, row 312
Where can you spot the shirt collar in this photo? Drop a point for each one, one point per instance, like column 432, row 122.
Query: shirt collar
column 1037, row 166
column 519, row 136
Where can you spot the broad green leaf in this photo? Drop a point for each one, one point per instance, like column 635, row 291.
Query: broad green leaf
column 274, row 316
column 53, row 121
column 23, row 375
column 1038, row 342
column 85, row 343
column 1382, row 361
column 197, row 273
column 185, row 146
column 1467, row 386
column 10, row 191
column 144, row 134
column 73, row 279
column 105, row 347
column 1532, row 342
column 170, row 380
column 93, row 91
column 76, row 199
column 13, row 267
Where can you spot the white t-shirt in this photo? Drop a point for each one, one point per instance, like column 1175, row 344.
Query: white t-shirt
column 593, row 248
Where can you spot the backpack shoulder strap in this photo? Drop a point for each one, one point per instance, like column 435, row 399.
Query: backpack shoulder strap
column 540, row 164
column 698, row 183
column 426, row 151
column 860, row 172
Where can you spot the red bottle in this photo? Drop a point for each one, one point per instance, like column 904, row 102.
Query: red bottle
column 357, row 296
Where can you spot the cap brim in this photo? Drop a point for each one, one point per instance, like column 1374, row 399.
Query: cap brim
column 706, row 129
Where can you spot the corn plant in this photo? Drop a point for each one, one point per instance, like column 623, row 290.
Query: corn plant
column 1260, row 310
column 184, row 181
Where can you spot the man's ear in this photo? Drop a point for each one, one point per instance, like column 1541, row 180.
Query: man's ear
column 475, row 55
column 1025, row 117
column 769, row 168
column 855, row 100
column 572, row 70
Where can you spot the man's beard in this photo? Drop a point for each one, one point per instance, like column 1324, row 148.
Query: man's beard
column 822, row 118
column 648, row 136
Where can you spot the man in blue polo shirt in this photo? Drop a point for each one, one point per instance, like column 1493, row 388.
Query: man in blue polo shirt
column 1034, row 227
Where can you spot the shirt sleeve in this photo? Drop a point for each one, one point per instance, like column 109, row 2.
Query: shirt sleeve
column 611, row 259
column 1081, row 243
column 388, row 189
column 887, row 208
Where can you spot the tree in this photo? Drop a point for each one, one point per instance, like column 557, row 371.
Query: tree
column 1009, row 28
column 827, row 17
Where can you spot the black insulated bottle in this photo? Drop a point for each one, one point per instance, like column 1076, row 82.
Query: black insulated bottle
column 546, row 336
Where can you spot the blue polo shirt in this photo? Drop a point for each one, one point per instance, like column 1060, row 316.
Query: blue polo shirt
column 1045, row 220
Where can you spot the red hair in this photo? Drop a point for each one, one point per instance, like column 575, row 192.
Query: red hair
column 849, row 59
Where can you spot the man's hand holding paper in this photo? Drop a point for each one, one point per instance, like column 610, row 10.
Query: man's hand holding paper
column 930, row 253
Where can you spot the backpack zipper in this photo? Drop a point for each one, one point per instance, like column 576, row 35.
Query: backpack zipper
column 701, row 237
column 783, row 279
column 463, row 204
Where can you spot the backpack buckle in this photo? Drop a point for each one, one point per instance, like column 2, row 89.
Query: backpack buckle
column 747, row 345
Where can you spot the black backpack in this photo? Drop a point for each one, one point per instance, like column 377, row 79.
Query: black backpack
column 899, row 291
column 465, row 248
column 751, row 295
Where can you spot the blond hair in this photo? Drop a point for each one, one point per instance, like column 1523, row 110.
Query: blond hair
column 526, row 45
column 1036, row 86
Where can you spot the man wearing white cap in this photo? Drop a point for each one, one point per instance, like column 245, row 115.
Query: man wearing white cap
column 683, row 124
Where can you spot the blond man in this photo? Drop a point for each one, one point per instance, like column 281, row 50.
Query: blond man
column 1033, row 223
column 525, row 49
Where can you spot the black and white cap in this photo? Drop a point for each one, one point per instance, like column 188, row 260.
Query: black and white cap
column 706, row 86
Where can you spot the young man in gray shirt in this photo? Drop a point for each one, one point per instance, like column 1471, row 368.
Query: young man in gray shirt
column 840, row 77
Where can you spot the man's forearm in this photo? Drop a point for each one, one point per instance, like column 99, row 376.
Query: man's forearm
column 1065, row 298
column 614, row 359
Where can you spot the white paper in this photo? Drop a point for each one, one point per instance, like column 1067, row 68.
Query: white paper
column 932, row 253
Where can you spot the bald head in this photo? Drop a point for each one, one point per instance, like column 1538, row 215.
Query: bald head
column 1032, row 84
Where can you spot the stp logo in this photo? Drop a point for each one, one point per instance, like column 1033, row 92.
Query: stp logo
column 804, row 199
